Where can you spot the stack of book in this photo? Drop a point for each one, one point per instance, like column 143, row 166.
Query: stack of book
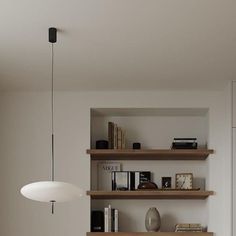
column 184, row 143
column 116, row 136
column 188, row 228
column 111, row 217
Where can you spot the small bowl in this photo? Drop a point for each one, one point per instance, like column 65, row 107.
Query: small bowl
column 147, row 185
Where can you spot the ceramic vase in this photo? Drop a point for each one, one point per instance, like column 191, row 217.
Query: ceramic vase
column 152, row 220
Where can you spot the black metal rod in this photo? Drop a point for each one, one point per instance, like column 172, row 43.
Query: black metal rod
column 52, row 206
column 52, row 110
column 52, row 37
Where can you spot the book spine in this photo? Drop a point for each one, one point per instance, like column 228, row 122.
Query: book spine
column 123, row 139
column 119, row 138
column 144, row 176
column 110, row 138
column 115, row 136
column 137, row 180
column 116, row 221
column 131, row 180
column 113, row 180
column 106, row 219
column 109, row 216
column 112, row 220
column 177, row 139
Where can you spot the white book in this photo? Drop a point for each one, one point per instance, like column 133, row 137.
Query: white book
column 109, row 216
column 106, row 219
column 137, row 179
column 104, row 177
column 116, row 221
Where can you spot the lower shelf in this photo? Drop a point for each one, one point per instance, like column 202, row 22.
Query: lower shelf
column 151, row 234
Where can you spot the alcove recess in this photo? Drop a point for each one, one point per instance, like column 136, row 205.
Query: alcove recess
column 154, row 128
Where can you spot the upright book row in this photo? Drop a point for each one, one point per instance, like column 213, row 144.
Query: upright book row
column 116, row 136
column 111, row 216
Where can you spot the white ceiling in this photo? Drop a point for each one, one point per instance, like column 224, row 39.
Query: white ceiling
column 118, row 44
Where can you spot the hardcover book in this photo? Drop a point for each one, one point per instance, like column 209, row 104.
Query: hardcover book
column 104, row 170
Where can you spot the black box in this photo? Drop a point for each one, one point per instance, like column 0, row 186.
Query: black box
column 97, row 221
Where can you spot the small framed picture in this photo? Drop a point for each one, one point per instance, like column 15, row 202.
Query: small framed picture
column 166, row 182
column 184, row 181
column 120, row 180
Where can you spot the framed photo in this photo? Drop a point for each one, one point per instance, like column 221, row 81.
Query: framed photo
column 166, row 182
column 184, row 180
column 120, row 180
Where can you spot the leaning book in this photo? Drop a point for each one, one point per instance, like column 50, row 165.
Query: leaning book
column 104, row 170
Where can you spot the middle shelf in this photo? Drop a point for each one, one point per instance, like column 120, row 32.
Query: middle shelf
column 157, row 194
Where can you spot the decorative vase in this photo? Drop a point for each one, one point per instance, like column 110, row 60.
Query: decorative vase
column 152, row 220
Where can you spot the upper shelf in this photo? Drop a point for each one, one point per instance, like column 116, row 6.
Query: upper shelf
column 149, row 154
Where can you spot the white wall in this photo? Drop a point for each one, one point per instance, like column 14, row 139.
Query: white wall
column 25, row 154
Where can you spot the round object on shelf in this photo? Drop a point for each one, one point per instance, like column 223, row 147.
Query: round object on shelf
column 147, row 185
column 136, row 145
column 152, row 220
column 101, row 144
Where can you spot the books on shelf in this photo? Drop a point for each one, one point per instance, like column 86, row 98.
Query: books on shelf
column 111, row 219
column 129, row 180
column 188, row 228
column 116, row 136
column 184, row 143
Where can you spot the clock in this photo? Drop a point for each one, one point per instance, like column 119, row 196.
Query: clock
column 184, row 181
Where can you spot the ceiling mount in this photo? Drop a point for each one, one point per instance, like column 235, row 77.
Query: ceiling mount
column 52, row 35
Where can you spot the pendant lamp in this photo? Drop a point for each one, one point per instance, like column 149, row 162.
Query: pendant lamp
column 51, row 191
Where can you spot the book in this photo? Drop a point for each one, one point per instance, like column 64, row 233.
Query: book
column 110, row 135
column 184, row 143
column 129, row 180
column 185, row 225
column 104, row 178
column 110, row 219
column 188, row 228
column 140, row 177
column 119, row 138
column 185, row 139
column 115, row 132
column 107, row 218
column 116, row 221
column 116, row 136
column 123, row 139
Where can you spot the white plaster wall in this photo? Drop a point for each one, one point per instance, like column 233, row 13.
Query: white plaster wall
column 25, row 154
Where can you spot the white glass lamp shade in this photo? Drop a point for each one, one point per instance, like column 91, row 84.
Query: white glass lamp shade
column 51, row 191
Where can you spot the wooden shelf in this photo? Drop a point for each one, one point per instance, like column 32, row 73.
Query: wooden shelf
column 149, row 154
column 156, row 194
column 150, row 234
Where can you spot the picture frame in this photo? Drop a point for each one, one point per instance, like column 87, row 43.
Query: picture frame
column 166, row 182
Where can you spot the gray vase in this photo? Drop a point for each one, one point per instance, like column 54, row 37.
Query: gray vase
column 152, row 220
